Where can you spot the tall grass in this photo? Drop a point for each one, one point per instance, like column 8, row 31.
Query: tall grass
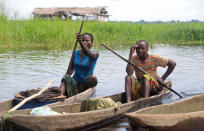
column 60, row 34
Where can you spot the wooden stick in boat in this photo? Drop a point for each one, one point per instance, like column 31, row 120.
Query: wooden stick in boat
column 31, row 97
column 75, row 45
column 142, row 70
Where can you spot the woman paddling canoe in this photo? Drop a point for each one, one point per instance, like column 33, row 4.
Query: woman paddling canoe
column 82, row 65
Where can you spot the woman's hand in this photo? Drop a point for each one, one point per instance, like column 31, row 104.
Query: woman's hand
column 78, row 37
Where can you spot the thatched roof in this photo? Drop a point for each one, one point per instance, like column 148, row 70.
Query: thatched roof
column 84, row 11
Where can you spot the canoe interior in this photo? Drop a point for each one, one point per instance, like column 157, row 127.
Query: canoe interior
column 73, row 119
column 7, row 105
column 69, row 108
column 31, row 104
column 74, row 108
column 193, row 104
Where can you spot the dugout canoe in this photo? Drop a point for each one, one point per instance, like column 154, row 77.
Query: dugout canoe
column 7, row 105
column 73, row 119
column 186, row 115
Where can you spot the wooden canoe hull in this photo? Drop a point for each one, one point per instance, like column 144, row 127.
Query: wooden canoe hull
column 7, row 105
column 75, row 120
column 187, row 115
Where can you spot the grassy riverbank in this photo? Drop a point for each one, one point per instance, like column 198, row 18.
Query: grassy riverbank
column 59, row 34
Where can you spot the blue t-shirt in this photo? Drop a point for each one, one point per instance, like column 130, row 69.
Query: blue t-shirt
column 83, row 67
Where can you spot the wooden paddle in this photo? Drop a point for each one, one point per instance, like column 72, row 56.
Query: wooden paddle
column 31, row 97
column 161, row 83
column 72, row 57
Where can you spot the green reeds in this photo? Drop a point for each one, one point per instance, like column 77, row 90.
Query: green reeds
column 60, row 34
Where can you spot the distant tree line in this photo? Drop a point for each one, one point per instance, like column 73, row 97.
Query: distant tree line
column 160, row 22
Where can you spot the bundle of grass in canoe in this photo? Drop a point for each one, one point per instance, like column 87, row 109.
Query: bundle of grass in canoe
column 72, row 119
column 51, row 101
column 186, row 115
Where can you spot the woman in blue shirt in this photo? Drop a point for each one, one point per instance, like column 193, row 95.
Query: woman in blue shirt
column 82, row 66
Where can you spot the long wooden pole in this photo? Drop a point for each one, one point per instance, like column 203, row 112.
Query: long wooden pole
column 141, row 70
column 75, row 45
column 31, row 97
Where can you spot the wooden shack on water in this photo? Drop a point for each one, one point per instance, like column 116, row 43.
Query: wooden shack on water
column 74, row 13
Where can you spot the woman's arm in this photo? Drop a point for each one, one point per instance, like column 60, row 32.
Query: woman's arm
column 92, row 55
column 71, row 70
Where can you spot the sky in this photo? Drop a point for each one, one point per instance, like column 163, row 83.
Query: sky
column 120, row 10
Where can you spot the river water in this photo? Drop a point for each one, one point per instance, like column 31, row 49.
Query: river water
column 21, row 70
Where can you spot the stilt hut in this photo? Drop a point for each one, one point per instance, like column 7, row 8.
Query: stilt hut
column 74, row 13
